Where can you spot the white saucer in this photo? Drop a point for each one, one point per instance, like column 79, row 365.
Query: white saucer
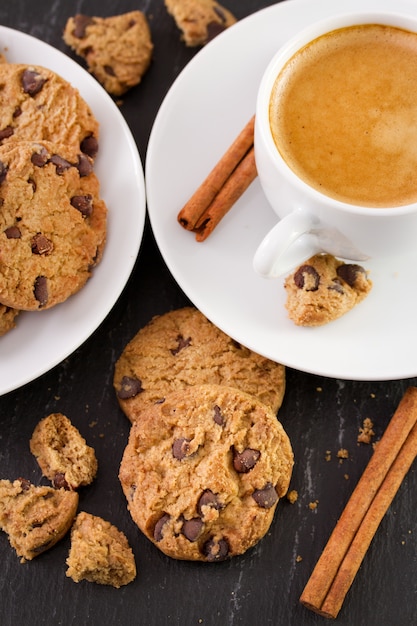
column 207, row 106
column 43, row 339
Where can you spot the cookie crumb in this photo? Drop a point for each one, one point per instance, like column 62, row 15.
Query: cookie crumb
column 313, row 505
column 328, row 455
column 292, row 496
column 366, row 432
column 342, row 454
column 298, row 559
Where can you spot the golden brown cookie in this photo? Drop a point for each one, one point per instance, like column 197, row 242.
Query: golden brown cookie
column 7, row 319
column 117, row 49
column 36, row 103
column 323, row 289
column 182, row 348
column 62, row 453
column 99, row 553
column 35, row 518
column 199, row 20
column 52, row 224
column 203, row 472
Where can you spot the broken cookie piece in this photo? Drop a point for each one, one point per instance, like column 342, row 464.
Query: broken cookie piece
column 199, row 20
column 323, row 289
column 62, row 453
column 35, row 518
column 117, row 49
column 99, row 553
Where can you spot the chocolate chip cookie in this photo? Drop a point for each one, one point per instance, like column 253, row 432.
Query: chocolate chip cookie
column 62, row 453
column 36, row 103
column 182, row 348
column 323, row 289
column 203, row 472
column 117, row 49
column 35, row 518
column 199, row 20
column 99, row 553
column 52, row 224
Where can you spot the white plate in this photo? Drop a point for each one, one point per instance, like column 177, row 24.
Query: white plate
column 202, row 113
column 43, row 339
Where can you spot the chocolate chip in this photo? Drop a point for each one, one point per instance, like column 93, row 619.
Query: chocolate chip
column 7, row 132
column 32, row 183
column 84, row 165
column 191, row 528
column 218, row 417
column 307, row 277
column 59, row 481
column 3, row 172
column 214, row 29
column 13, row 232
column 60, row 163
column 182, row 343
column 24, row 483
column 244, row 461
column 41, row 244
column 181, row 448
column 89, row 146
column 109, row 70
column 84, row 204
column 39, row 159
column 158, row 530
column 216, row 549
column 129, row 387
column 42, row 547
column 350, row 272
column 209, row 499
column 32, row 82
column 17, row 112
column 266, row 497
column 80, row 25
column 40, row 290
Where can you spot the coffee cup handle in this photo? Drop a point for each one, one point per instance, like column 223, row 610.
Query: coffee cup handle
column 290, row 242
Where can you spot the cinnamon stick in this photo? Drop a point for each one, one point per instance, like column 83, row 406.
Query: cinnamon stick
column 336, row 568
column 233, row 188
column 193, row 210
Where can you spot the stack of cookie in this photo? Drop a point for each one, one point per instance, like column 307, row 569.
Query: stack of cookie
column 207, row 460
column 52, row 219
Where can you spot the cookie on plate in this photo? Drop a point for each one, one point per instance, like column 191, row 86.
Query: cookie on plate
column 52, row 224
column 199, row 20
column 35, row 518
column 182, row 348
column 323, row 289
column 7, row 319
column 117, row 49
column 62, row 453
column 36, row 103
column 99, row 553
column 203, row 472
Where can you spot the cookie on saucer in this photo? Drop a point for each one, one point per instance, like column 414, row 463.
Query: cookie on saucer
column 52, row 223
column 323, row 289
column 37, row 103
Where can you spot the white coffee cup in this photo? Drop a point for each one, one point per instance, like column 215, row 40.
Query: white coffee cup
column 310, row 221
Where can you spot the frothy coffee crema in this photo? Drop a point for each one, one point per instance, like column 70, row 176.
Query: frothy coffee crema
column 343, row 115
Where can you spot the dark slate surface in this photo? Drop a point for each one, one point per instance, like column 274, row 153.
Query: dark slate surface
column 263, row 586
